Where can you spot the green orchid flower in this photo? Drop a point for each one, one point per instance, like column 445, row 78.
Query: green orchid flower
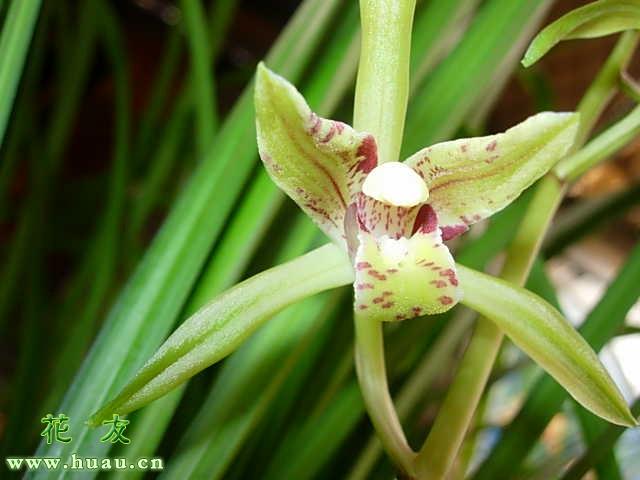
column 394, row 217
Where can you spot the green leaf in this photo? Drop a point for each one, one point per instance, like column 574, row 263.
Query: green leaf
column 472, row 178
column 221, row 326
column 202, row 80
column 319, row 163
column 541, row 332
column 14, row 46
column 596, row 19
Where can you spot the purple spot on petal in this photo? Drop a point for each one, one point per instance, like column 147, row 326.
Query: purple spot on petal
column 377, row 275
column 445, row 300
column 316, row 122
column 330, row 134
column 426, row 220
column 452, row 231
column 368, row 152
column 351, row 226
column 491, row 146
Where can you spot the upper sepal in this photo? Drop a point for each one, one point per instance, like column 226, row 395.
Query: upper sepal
column 471, row 179
column 319, row 163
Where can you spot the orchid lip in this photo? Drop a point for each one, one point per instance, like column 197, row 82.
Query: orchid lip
column 397, row 184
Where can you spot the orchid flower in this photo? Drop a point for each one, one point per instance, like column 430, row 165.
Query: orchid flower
column 394, row 217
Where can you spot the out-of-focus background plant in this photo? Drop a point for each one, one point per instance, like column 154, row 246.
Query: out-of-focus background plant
column 131, row 193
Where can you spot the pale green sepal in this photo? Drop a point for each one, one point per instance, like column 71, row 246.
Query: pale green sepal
column 399, row 279
column 319, row 163
column 473, row 178
column 596, row 19
column 221, row 326
column 549, row 339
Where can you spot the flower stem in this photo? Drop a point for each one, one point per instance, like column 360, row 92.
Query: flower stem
column 604, row 86
column 382, row 86
column 439, row 451
column 601, row 147
column 372, row 375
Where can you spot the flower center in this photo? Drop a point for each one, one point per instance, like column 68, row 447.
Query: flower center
column 397, row 184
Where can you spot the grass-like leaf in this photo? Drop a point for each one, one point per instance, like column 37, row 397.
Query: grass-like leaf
column 596, row 19
column 14, row 47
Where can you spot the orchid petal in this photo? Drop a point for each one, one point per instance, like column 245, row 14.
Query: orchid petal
column 319, row 163
column 398, row 279
column 471, row 179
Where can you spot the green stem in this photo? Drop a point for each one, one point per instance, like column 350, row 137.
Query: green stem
column 604, row 86
column 372, row 376
column 382, row 87
column 605, row 144
column 382, row 91
column 417, row 384
column 445, row 438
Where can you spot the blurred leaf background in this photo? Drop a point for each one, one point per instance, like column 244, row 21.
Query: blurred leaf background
column 131, row 193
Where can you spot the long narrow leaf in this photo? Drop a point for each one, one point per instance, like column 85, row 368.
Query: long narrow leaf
column 14, row 46
column 596, row 19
